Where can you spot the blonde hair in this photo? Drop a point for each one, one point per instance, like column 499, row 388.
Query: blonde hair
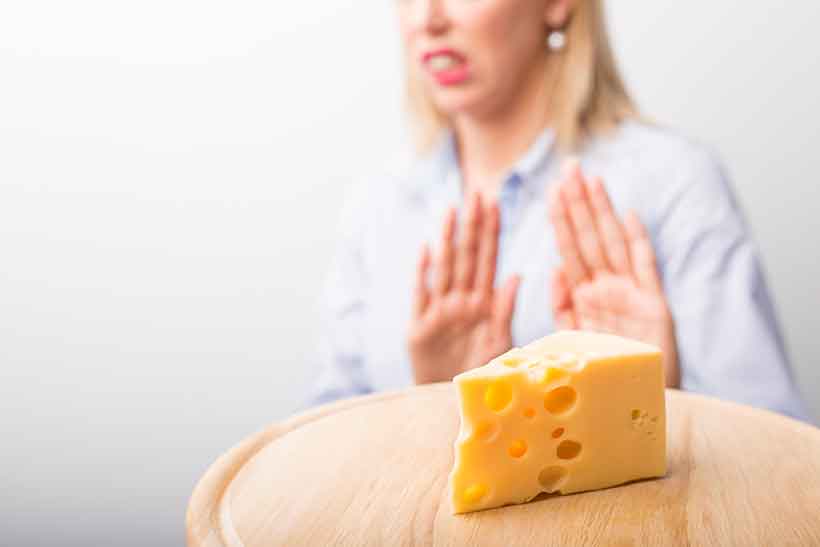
column 589, row 96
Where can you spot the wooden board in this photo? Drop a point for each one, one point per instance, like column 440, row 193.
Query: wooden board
column 373, row 471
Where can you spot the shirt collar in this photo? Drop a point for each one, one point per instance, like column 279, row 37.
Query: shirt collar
column 523, row 172
column 536, row 156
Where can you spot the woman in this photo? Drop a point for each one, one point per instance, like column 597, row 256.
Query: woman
column 533, row 149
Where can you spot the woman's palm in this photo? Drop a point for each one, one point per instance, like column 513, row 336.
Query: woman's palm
column 608, row 280
column 460, row 320
column 464, row 328
column 616, row 304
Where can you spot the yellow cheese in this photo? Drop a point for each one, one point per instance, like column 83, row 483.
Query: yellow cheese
column 573, row 411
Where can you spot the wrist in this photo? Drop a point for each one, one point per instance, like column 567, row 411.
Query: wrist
column 423, row 372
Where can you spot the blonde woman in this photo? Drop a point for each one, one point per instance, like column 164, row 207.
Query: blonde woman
column 540, row 201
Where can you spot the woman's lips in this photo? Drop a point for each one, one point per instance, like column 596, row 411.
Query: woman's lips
column 447, row 66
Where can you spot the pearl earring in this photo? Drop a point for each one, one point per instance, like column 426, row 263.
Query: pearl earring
column 556, row 40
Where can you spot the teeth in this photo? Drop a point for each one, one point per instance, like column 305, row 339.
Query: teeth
column 442, row 62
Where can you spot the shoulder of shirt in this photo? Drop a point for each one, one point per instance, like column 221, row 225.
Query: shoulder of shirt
column 660, row 159
column 654, row 146
column 662, row 171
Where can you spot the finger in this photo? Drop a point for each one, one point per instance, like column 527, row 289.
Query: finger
column 589, row 242
column 562, row 309
column 574, row 267
column 609, row 227
column 609, row 322
column 467, row 248
column 588, row 309
column 488, row 252
column 607, row 301
column 612, row 290
column 444, row 260
column 644, row 267
column 618, row 307
column 505, row 306
column 421, row 291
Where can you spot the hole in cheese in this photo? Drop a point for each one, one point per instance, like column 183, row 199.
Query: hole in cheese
column 568, row 450
column 552, row 478
column 529, row 412
column 498, row 396
column 560, row 400
column 557, row 432
column 552, row 374
column 518, row 448
column 511, row 361
column 636, row 414
column 474, row 493
column 485, row 431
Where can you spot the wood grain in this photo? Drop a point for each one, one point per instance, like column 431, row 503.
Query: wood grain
column 373, row 471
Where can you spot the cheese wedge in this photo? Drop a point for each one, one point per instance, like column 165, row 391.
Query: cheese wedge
column 570, row 412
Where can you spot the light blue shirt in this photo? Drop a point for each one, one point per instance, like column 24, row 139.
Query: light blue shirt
column 728, row 338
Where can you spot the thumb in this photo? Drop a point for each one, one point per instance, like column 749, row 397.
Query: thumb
column 563, row 311
column 504, row 306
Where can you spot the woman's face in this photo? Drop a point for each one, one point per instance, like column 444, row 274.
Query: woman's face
column 474, row 55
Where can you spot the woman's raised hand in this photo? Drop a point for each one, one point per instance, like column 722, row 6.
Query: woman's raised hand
column 608, row 280
column 460, row 321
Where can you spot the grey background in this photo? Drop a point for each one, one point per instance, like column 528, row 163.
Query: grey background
column 170, row 173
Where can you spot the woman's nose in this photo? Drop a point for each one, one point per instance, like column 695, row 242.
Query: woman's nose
column 430, row 16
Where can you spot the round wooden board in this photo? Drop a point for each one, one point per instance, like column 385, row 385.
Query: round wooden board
column 373, row 471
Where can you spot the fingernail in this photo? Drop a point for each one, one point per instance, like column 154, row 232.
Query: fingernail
column 596, row 184
column 559, row 192
column 571, row 164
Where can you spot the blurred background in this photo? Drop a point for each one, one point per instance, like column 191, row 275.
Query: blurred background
column 170, row 177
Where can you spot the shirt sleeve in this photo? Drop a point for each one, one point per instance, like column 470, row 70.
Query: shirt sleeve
column 729, row 342
column 343, row 304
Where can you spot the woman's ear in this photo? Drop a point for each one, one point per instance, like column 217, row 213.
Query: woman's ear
column 557, row 12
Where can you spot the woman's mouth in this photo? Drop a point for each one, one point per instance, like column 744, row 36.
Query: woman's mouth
column 446, row 66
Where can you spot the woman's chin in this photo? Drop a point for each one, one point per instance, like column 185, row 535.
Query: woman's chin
column 454, row 104
column 467, row 100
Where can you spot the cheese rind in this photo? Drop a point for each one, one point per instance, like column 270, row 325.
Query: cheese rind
column 570, row 412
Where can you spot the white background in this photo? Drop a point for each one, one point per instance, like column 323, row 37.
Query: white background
column 170, row 175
